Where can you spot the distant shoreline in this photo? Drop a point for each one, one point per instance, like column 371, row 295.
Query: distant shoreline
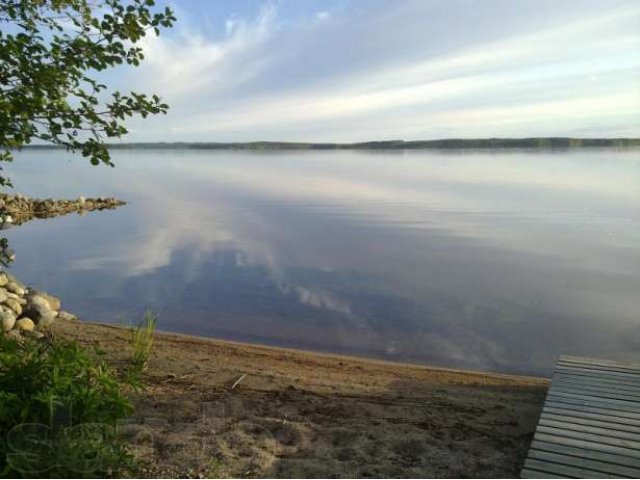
column 450, row 143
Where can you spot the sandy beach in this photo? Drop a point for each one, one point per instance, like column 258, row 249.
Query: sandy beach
column 217, row 409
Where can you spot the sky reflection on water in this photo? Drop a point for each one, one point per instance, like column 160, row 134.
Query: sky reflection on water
column 486, row 260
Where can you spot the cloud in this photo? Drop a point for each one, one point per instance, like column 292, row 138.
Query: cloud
column 401, row 70
column 188, row 63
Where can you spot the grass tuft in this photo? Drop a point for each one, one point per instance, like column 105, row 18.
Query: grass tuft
column 142, row 343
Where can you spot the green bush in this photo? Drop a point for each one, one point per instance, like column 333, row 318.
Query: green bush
column 59, row 408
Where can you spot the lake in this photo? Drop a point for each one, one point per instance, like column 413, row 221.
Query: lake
column 490, row 260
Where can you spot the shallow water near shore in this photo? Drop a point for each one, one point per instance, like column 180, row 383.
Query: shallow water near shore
column 490, row 260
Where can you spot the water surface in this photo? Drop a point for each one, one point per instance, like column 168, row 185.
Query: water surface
column 492, row 260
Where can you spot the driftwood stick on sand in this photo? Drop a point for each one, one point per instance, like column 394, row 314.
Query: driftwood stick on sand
column 235, row 384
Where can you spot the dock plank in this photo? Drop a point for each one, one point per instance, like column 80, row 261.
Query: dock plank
column 596, row 383
column 631, row 377
column 586, row 453
column 595, row 466
column 591, row 406
column 587, row 445
column 568, row 470
column 590, row 422
column 596, row 414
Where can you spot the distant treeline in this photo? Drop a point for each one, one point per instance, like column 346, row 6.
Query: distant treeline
column 452, row 143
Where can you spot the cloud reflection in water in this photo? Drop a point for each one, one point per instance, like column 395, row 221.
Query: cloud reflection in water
column 485, row 260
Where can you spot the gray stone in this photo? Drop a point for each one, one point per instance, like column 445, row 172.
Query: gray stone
column 15, row 288
column 25, row 324
column 34, row 334
column 7, row 320
column 45, row 321
column 39, row 301
column 50, row 300
column 14, row 305
column 13, row 279
column 38, row 309
column 70, row 317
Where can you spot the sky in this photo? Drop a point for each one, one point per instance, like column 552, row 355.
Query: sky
column 358, row 70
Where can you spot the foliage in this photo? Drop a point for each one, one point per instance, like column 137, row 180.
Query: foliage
column 59, row 407
column 51, row 56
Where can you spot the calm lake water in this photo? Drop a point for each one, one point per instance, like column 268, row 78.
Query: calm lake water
column 492, row 260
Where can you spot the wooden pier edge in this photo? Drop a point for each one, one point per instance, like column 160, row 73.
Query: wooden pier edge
column 590, row 422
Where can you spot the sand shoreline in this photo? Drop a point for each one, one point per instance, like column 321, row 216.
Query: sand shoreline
column 212, row 408
column 277, row 350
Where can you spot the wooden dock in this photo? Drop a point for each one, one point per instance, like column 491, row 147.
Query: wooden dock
column 590, row 422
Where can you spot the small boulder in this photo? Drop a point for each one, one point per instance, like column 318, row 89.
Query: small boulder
column 13, row 279
column 70, row 317
column 15, row 288
column 34, row 334
column 52, row 302
column 14, row 305
column 3, row 279
column 39, row 310
column 25, row 324
column 3, row 295
column 45, row 321
column 7, row 320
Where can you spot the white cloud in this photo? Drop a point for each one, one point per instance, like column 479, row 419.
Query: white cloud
column 189, row 63
column 378, row 74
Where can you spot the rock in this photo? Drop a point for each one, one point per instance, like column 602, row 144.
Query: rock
column 25, row 324
column 13, row 279
column 70, row 317
column 81, row 200
column 39, row 310
column 15, row 288
column 53, row 302
column 12, row 295
column 34, row 334
column 7, row 320
column 14, row 305
column 45, row 321
column 3, row 295
column 38, row 300
column 3, row 279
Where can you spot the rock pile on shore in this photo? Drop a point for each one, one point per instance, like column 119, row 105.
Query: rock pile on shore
column 25, row 311
column 19, row 209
